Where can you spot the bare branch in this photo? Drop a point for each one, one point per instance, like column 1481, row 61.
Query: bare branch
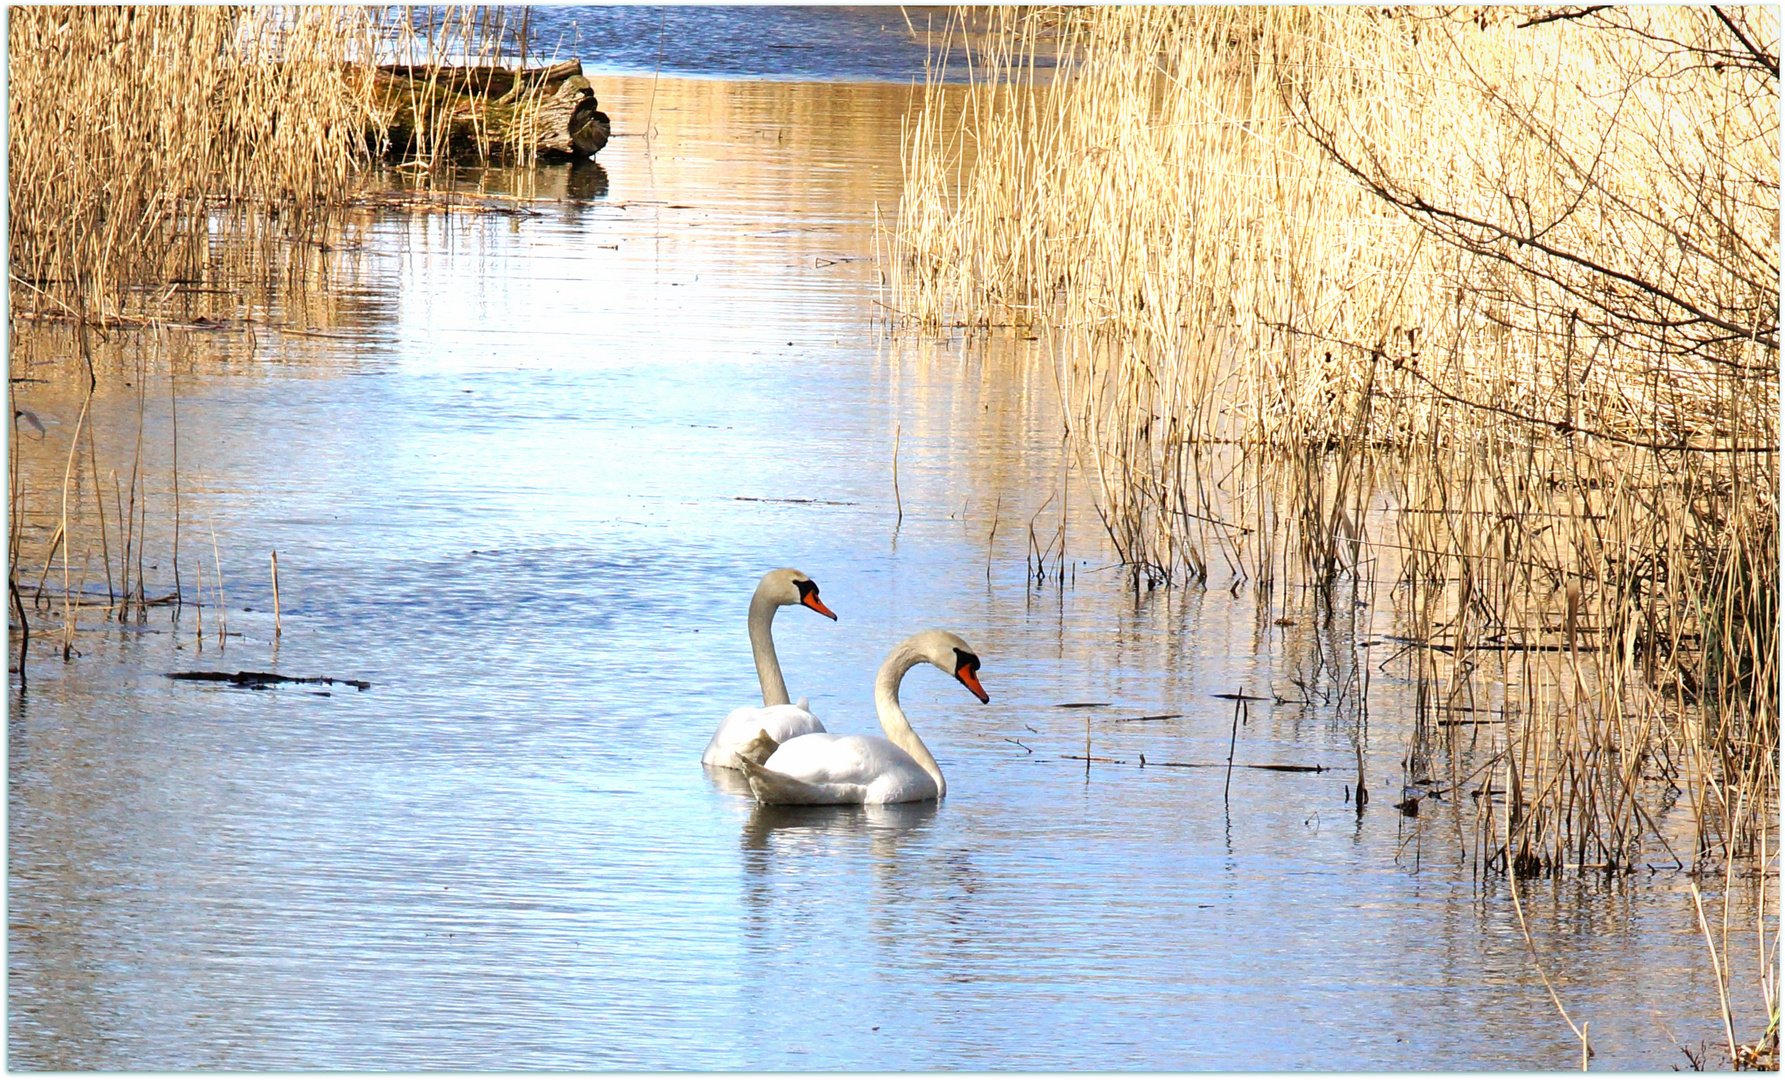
column 1560, row 15
column 1493, row 237
column 1771, row 63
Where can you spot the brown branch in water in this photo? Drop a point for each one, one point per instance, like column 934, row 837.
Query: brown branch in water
column 898, row 429
column 18, row 604
column 260, row 680
column 1200, row 764
column 1239, row 702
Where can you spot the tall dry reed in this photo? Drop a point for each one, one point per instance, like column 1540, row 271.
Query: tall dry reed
column 1481, row 304
column 143, row 139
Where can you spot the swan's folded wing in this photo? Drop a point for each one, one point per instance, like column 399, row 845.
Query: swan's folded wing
column 776, row 788
column 840, row 759
column 757, row 750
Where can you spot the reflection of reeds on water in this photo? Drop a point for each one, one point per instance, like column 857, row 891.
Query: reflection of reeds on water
column 178, row 173
column 1482, row 309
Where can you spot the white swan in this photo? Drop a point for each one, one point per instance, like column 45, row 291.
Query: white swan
column 780, row 720
column 824, row 769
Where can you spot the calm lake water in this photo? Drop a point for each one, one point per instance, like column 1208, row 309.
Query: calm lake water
column 523, row 480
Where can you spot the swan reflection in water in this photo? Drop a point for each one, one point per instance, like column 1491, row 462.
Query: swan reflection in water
column 794, row 827
column 729, row 781
column 791, row 827
column 878, row 875
column 857, row 874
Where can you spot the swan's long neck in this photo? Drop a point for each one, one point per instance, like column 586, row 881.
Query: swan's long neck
column 892, row 717
column 768, row 669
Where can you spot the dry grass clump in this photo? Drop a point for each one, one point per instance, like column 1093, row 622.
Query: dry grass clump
column 144, row 139
column 1485, row 303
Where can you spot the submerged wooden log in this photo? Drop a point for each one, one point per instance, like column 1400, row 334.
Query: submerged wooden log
column 488, row 112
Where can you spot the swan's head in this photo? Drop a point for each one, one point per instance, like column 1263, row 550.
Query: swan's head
column 788, row 586
column 948, row 652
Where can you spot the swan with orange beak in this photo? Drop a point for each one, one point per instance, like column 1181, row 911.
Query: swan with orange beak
column 824, row 769
column 778, row 719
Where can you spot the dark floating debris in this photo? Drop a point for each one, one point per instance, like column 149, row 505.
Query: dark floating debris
column 795, row 502
column 1081, row 705
column 1240, row 697
column 1203, row 764
column 260, row 680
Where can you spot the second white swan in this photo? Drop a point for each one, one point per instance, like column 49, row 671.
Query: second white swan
column 825, row 769
column 777, row 717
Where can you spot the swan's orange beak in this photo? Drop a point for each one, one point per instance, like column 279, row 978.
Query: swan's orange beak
column 811, row 600
column 971, row 682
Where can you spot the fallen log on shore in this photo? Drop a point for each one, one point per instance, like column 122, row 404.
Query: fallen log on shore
column 488, row 112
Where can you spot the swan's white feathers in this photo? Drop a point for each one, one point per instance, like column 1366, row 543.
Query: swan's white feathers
column 823, row 769
column 842, row 769
column 781, row 722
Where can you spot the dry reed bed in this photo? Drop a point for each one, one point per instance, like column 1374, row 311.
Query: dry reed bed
column 143, row 138
column 160, row 153
column 1489, row 303
column 177, row 165
column 194, row 170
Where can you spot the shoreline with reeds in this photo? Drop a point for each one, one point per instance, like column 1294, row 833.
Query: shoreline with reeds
column 149, row 146
column 189, row 171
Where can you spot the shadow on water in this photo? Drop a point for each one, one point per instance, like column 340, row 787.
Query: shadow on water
column 729, row 781
column 588, row 180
